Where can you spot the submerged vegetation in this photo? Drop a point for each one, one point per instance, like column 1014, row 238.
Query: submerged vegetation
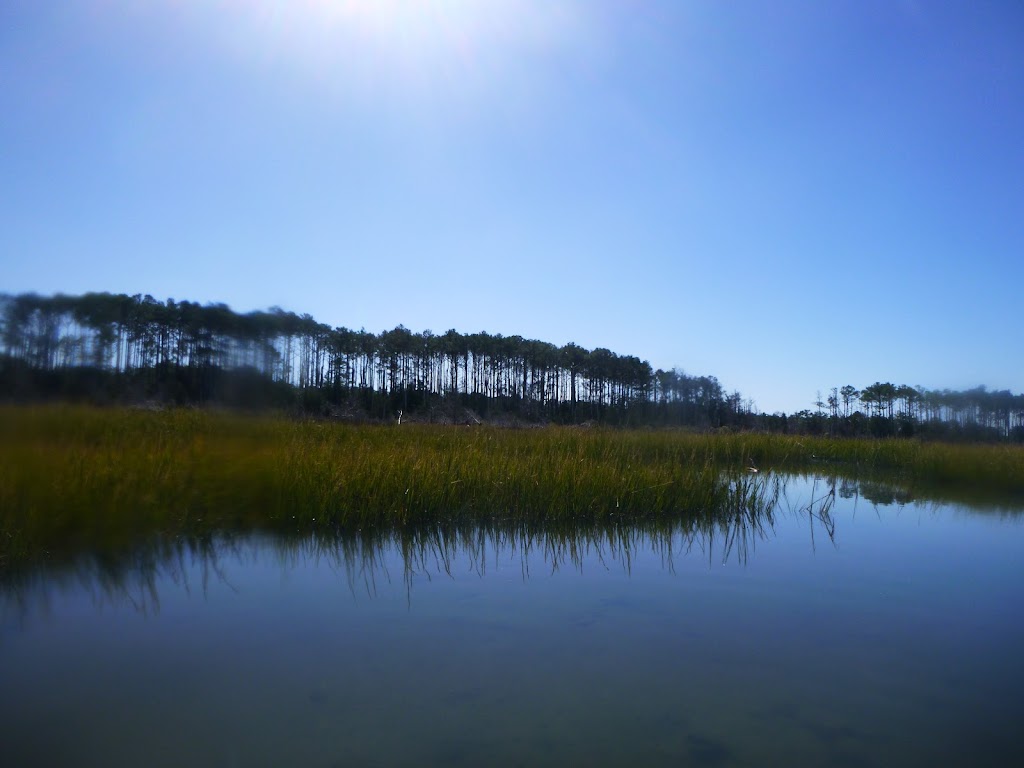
column 80, row 478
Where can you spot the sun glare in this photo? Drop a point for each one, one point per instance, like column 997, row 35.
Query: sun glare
column 437, row 45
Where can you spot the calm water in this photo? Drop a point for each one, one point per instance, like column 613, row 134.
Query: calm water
column 860, row 628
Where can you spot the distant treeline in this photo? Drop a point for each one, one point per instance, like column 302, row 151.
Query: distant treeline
column 122, row 348
column 103, row 347
column 884, row 409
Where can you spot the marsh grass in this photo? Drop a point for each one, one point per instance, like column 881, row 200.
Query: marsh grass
column 74, row 478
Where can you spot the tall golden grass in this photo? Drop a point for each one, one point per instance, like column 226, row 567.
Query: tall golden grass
column 73, row 478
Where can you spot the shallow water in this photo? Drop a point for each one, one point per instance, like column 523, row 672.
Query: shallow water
column 830, row 629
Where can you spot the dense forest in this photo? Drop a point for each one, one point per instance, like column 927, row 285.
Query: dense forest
column 104, row 347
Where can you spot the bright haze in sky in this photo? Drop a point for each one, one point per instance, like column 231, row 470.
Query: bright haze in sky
column 787, row 195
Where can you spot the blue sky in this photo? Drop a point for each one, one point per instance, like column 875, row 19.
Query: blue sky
column 789, row 196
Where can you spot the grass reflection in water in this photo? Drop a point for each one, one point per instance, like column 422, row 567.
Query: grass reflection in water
column 751, row 506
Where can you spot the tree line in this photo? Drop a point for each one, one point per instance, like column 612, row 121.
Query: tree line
column 885, row 409
column 120, row 348
column 115, row 346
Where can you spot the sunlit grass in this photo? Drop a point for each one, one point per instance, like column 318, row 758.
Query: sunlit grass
column 78, row 478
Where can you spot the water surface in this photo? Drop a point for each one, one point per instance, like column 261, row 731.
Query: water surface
column 845, row 625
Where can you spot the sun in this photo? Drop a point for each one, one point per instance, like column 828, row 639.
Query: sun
column 395, row 37
column 409, row 44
